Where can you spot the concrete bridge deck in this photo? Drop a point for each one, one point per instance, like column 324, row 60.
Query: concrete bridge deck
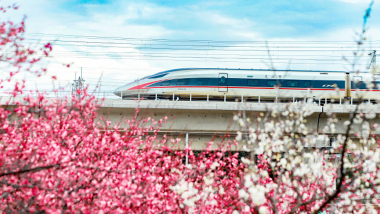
column 205, row 121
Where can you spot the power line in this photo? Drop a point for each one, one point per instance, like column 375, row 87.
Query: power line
column 211, row 47
column 206, row 56
column 204, row 51
column 193, row 59
column 188, row 40
column 198, row 54
column 76, row 42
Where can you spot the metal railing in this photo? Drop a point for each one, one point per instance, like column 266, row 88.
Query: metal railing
column 241, row 98
column 202, row 97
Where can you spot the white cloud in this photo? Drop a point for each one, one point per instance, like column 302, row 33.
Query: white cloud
column 216, row 18
column 103, row 22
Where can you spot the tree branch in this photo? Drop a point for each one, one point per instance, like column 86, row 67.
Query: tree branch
column 36, row 169
column 343, row 153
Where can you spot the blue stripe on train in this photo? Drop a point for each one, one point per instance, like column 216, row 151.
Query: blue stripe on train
column 244, row 82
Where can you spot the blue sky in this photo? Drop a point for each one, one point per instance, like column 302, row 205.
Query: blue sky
column 209, row 19
column 246, row 21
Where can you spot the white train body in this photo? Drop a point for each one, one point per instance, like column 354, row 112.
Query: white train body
column 216, row 82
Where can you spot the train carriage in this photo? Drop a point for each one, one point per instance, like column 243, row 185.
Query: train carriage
column 250, row 83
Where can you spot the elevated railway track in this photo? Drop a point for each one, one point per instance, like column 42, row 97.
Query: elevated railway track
column 205, row 121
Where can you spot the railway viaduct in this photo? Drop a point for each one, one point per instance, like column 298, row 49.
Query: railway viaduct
column 201, row 122
column 213, row 121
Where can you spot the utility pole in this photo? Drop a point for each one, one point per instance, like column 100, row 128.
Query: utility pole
column 373, row 60
column 78, row 84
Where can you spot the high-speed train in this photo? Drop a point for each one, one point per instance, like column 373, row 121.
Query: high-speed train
column 219, row 82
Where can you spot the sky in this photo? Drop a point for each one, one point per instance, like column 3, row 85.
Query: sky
column 117, row 41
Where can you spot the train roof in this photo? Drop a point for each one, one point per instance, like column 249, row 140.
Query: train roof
column 245, row 69
column 238, row 69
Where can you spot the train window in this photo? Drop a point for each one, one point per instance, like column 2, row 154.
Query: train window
column 307, row 84
column 173, row 82
column 156, row 84
column 272, row 83
column 165, row 83
column 183, row 82
column 222, row 80
column 292, row 83
column 358, row 85
column 202, row 81
column 253, row 83
column 376, row 84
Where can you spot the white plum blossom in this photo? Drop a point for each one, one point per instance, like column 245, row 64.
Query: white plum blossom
column 263, row 210
column 214, row 165
column 238, row 136
column 187, row 192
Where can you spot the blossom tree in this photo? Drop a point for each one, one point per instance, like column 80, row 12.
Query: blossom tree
column 57, row 155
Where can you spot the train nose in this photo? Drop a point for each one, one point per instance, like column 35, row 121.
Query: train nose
column 123, row 90
column 117, row 91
